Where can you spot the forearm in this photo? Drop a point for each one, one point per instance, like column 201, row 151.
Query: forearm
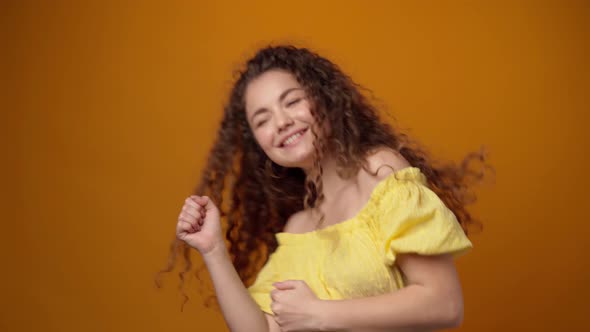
column 412, row 308
column 240, row 311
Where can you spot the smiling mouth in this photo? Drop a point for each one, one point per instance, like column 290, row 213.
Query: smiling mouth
column 293, row 138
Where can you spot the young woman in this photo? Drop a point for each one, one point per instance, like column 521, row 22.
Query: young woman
column 356, row 226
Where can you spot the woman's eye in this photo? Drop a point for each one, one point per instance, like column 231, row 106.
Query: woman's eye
column 293, row 102
column 260, row 123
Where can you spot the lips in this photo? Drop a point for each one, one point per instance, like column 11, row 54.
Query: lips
column 291, row 137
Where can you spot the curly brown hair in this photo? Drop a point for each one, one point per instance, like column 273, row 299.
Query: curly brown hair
column 262, row 195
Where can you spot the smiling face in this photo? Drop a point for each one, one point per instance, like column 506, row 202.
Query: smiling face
column 278, row 112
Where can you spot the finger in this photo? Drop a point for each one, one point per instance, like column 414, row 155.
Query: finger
column 188, row 218
column 273, row 295
column 192, row 211
column 279, row 321
column 181, row 235
column 274, row 307
column 196, row 225
column 197, row 213
column 191, row 221
column 195, row 228
column 185, row 226
column 191, row 202
column 286, row 284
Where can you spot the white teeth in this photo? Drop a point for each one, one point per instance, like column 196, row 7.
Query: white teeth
column 291, row 139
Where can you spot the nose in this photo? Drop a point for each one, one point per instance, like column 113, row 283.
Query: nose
column 283, row 120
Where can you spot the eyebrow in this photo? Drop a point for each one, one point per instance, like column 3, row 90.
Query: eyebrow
column 281, row 97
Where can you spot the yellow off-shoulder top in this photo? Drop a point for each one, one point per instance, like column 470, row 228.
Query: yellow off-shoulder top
column 356, row 257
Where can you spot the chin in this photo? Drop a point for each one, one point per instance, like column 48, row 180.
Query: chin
column 295, row 163
column 295, row 157
column 298, row 161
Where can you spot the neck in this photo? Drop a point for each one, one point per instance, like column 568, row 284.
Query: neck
column 331, row 181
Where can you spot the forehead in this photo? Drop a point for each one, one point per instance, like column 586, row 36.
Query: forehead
column 266, row 89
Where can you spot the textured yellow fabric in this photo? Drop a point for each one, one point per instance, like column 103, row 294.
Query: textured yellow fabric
column 356, row 257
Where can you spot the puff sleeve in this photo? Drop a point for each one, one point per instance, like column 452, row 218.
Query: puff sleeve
column 411, row 218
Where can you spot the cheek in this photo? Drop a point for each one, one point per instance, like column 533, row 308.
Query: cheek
column 304, row 112
column 264, row 138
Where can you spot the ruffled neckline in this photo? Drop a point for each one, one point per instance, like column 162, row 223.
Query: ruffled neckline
column 408, row 173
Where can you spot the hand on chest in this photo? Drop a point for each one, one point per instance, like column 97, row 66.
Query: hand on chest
column 341, row 261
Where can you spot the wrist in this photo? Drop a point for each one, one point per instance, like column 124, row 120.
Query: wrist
column 217, row 251
column 325, row 320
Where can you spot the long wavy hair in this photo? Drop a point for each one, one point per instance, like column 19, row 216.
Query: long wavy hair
column 257, row 196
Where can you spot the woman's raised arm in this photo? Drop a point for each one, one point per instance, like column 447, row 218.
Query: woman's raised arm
column 199, row 227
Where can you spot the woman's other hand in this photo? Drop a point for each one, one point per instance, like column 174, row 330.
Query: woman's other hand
column 199, row 225
column 295, row 306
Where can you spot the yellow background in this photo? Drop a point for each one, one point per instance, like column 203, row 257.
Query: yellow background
column 109, row 109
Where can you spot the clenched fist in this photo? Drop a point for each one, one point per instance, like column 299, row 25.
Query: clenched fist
column 199, row 225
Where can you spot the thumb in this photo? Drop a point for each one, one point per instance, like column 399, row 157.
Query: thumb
column 203, row 201
column 199, row 199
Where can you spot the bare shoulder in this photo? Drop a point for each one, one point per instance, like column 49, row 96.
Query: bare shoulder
column 384, row 161
column 297, row 222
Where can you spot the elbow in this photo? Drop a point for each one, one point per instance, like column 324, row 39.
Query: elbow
column 452, row 316
column 454, row 320
column 449, row 310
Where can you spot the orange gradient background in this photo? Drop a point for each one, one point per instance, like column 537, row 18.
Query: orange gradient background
column 110, row 107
